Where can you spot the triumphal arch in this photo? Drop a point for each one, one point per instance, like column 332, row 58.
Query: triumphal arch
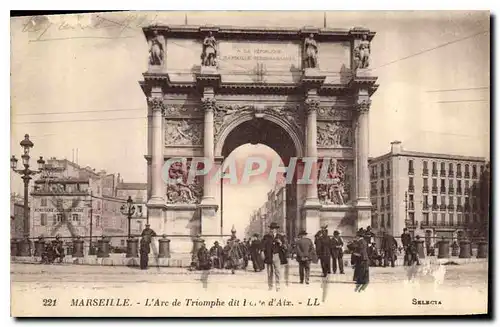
column 303, row 92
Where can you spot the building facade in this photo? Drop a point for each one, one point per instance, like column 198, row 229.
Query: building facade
column 70, row 200
column 16, row 216
column 305, row 92
column 433, row 195
column 273, row 210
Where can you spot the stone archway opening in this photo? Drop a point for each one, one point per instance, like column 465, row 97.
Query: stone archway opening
column 283, row 205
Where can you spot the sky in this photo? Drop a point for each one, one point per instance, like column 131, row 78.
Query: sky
column 73, row 87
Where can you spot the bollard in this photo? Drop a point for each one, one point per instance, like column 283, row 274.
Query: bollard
column 465, row 247
column 443, row 249
column 77, row 248
column 13, row 247
column 420, row 248
column 164, row 247
column 197, row 241
column 39, row 246
column 482, row 250
column 103, row 247
column 24, row 249
column 132, row 247
column 454, row 249
column 92, row 247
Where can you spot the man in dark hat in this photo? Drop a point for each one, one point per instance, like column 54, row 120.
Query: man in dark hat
column 406, row 241
column 203, row 257
column 255, row 250
column 389, row 246
column 361, row 270
column 216, row 253
column 323, row 249
column 58, row 248
column 274, row 247
column 145, row 246
column 148, row 232
column 305, row 252
column 337, row 251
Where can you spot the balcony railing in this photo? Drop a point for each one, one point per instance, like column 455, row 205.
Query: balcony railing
column 425, row 172
column 467, row 174
column 424, row 224
column 451, row 190
column 442, row 207
column 411, row 207
column 435, row 207
column 411, row 171
column 459, row 174
column 434, row 189
column 388, row 206
column 442, row 190
column 425, row 189
column 411, row 188
column 381, row 190
column 460, row 207
column 425, row 207
column 474, row 175
column 442, row 172
column 410, row 223
column 450, row 173
column 467, row 191
column 434, row 173
column 388, row 173
column 459, row 190
column 388, row 190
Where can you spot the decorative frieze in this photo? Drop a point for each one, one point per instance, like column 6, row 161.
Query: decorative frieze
column 332, row 113
column 183, row 132
column 335, row 134
column 338, row 191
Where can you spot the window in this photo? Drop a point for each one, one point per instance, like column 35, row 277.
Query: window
column 43, row 219
column 434, row 182
column 411, row 202
column 411, row 217
column 425, row 170
column 388, row 220
column 426, row 201
column 467, row 173
column 382, row 186
column 434, row 218
column 459, row 219
column 75, row 218
column 411, row 185
column 459, row 187
column 388, row 171
column 382, row 220
column 381, row 170
column 426, row 182
column 410, row 167
column 450, row 200
column 382, row 202
column 474, row 171
column 443, row 219
column 434, row 169
column 59, row 218
column 426, row 218
column 443, row 169
column 43, row 202
column 443, row 185
column 434, row 200
column 450, row 168
column 97, row 221
column 451, row 219
column 459, row 170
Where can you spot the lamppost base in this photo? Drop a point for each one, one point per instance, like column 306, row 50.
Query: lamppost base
column 24, row 248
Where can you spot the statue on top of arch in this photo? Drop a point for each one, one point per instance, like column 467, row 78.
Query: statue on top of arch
column 156, row 49
column 362, row 53
column 209, row 52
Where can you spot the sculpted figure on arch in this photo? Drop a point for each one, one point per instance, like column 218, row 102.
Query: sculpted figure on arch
column 310, row 52
column 363, row 53
column 209, row 53
column 156, row 49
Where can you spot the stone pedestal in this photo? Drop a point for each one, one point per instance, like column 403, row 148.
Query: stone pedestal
column 77, row 248
column 443, row 249
column 482, row 249
column 164, row 247
column 465, row 249
column 132, row 248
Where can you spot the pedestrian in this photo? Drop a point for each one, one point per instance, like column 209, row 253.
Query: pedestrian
column 305, row 251
column 413, row 249
column 323, row 250
column 144, row 252
column 255, row 253
column 203, row 257
column 389, row 245
column 274, row 248
column 216, row 253
column 369, row 235
column 148, row 232
column 406, row 241
column 58, row 248
column 361, row 270
column 337, row 251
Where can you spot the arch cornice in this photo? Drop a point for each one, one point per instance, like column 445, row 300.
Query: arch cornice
column 294, row 134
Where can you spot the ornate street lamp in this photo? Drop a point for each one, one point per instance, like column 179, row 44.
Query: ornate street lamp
column 26, row 174
column 128, row 209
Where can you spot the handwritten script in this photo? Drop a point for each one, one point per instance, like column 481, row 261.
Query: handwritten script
column 41, row 28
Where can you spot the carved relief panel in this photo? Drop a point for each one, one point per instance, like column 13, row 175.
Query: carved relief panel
column 337, row 134
column 184, row 132
column 182, row 190
column 339, row 190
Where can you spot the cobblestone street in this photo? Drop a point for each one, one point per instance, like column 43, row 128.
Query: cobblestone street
column 389, row 291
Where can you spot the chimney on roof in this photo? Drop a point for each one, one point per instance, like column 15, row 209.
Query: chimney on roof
column 396, row 147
